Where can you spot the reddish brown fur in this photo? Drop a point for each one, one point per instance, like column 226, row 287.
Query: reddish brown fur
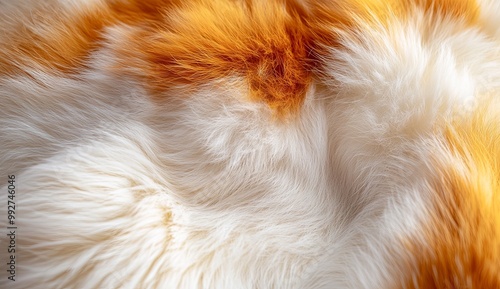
column 257, row 40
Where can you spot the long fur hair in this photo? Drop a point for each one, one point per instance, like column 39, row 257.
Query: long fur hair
column 251, row 144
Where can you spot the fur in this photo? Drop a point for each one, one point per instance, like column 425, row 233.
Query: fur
column 347, row 144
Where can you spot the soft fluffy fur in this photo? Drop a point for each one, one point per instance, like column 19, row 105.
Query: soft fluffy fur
column 252, row 144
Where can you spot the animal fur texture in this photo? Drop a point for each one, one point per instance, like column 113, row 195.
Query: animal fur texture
column 316, row 144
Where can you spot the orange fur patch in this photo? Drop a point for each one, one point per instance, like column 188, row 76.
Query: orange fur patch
column 59, row 39
column 265, row 42
column 55, row 41
column 464, row 233
column 268, row 43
